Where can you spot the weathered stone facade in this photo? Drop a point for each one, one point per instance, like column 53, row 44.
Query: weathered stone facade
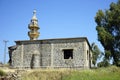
column 53, row 53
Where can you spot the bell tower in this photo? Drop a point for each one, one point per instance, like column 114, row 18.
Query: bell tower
column 33, row 26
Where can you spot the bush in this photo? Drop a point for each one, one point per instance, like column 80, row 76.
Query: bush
column 113, row 69
column 2, row 73
column 103, row 64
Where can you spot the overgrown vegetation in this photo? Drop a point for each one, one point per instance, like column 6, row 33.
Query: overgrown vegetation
column 110, row 73
column 2, row 73
column 45, row 74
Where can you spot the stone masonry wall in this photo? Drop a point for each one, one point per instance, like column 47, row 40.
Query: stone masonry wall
column 45, row 54
column 49, row 53
column 58, row 54
column 30, row 54
column 16, row 57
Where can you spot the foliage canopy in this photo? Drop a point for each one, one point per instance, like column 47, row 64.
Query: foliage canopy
column 108, row 29
column 95, row 53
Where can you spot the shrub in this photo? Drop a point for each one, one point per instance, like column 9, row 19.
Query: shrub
column 2, row 73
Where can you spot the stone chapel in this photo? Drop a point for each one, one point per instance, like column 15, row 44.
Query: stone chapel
column 50, row 53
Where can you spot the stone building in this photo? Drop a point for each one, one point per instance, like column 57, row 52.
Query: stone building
column 52, row 53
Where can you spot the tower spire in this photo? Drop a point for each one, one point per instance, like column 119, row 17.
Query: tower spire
column 34, row 15
column 33, row 26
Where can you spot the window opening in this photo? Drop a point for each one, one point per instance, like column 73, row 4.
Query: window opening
column 68, row 53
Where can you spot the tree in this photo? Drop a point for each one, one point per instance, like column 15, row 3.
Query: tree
column 108, row 29
column 103, row 63
column 95, row 53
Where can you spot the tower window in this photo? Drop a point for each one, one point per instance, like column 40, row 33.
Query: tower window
column 68, row 53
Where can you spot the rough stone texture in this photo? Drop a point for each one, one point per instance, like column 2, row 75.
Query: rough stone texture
column 45, row 54
column 16, row 57
column 49, row 53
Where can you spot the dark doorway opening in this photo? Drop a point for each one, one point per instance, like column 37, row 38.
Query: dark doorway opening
column 68, row 53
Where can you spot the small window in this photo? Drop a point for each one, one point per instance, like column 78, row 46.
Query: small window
column 68, row 53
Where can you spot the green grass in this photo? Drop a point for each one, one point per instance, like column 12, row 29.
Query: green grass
column 110, row 73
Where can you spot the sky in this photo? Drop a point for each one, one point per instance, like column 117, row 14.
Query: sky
column 56, row 19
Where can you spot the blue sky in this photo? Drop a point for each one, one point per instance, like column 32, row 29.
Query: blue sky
column 57, row 19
